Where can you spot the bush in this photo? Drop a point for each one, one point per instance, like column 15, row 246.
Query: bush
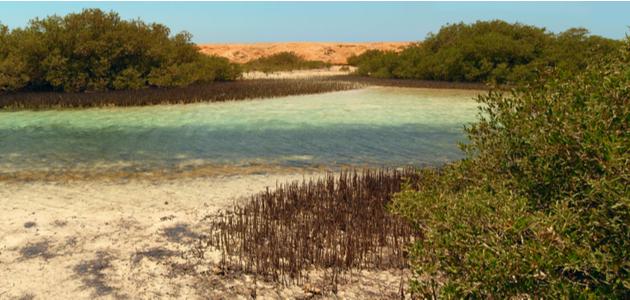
column 97, row 51
column 493, row 51
column 375, row 63
column 283, row 61
column 541, row 206
column 12, row 67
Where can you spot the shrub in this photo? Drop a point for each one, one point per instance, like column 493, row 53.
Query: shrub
column 283, row 61
column 541, row 206
column 487, row 51
column 375, row 63
column 97, row 51
column 12, row 67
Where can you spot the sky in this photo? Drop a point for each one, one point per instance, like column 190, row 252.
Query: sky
column 233, row 22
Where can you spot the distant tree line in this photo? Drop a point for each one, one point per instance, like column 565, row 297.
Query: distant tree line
column 283, row 61
column 97, row 51
column 494, row 51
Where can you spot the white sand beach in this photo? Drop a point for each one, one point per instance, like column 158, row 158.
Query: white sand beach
column 106, row 239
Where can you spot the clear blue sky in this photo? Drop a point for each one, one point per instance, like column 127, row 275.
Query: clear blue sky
column 225, row 22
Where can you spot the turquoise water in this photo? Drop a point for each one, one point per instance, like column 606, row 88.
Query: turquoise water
column 373, row 127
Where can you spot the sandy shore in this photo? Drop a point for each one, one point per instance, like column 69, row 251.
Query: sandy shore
column 87, row 239
column 301, row 74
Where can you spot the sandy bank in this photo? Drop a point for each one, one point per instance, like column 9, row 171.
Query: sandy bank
column 301, row 74
column 112, row 240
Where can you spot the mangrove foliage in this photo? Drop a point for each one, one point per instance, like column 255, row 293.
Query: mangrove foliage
column 487, row 51
column 541, row 204
column 97, row 51
column 283, row 61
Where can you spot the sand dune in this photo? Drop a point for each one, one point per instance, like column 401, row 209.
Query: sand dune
column 335, row 53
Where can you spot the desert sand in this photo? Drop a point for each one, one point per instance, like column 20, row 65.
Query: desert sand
column 131, row 239
column 334, row 53
column 301, row 74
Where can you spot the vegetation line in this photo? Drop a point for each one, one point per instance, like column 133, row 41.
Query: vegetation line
column 410, row 83
column 209, row 92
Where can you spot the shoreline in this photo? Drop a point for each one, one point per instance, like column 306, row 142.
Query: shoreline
column 199, row 93
column 115, row 176
column 259, row 86
column 199, row 172
column 411, row 83
column 131, row 239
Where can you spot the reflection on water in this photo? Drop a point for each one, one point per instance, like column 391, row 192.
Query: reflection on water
column 374, row 126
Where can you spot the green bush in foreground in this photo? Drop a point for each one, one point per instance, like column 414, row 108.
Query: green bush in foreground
column 96, row 51
column 541, row 206
column 283, row 61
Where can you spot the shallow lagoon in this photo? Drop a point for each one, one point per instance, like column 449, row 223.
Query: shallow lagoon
column 375, row 126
